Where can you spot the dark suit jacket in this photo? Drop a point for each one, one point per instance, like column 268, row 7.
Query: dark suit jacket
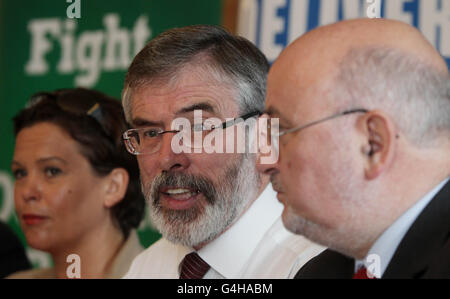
column 424, row 252
column 12, row 253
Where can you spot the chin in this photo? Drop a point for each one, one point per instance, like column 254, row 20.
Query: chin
column 38, row 240
column 300, row 225
column 290, row 220
column 39, row 244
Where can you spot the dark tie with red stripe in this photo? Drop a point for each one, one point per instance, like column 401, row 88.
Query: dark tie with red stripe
column 193, row 267
column 362, row 274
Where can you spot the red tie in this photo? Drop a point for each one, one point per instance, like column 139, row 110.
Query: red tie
column 193, row 267
column 362, row 274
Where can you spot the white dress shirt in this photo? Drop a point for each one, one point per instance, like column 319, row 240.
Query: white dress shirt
column 386, row 245
column 256, row 246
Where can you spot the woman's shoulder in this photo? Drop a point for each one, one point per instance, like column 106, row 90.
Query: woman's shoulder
column 33, row 273
column 130, row 249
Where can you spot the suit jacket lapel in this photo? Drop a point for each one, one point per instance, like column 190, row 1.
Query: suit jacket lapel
column 327, row 265
column 424, row 240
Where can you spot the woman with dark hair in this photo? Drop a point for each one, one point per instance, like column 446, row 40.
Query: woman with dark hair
column 76, row 189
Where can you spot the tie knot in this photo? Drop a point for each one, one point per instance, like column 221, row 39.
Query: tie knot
column 363, row 274
column 193, row 267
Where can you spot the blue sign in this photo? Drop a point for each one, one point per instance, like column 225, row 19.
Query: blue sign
column 273, row 24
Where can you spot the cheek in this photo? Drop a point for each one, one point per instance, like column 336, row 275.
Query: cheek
column 63, row 203
column 302, row 177
column 212, row 166
column 18, row 201
column 147, row 168
column 294, row 166
column 75, row 205
column 57, row 203
column 313, row 184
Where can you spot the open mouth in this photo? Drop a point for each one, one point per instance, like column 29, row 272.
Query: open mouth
column 179, row 193
column 178, row 198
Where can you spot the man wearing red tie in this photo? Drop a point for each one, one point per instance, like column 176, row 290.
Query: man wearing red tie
column 364, row 149
column 218, row 216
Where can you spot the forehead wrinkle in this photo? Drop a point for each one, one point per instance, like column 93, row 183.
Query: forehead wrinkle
column 184, row 93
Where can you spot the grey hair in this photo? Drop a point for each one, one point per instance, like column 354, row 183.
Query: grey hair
column 415, row 94
column 230, row 59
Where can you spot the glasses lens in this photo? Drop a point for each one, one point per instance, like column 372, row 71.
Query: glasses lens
column 143, row 141
column 264, row 138
column 207, row 135
column 38, row 97
column 134, row 142
column 193, row 138
column 274, row 133
column 129, row 147
column 149, row 140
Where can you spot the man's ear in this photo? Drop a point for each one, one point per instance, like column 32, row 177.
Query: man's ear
column 379, row 143
column 117, row 184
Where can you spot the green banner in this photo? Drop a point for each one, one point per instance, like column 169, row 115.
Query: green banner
column 45, row 45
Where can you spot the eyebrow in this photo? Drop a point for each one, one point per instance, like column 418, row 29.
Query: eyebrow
column 42, row 160
column 204, row 106
column 15, row 163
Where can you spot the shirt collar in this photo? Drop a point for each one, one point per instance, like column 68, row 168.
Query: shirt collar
column 230, row 252
column 384, row 248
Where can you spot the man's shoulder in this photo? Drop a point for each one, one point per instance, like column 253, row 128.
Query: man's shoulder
column 329, row 264
column 160, row 260
column 423, row 252
column 161, row 248
column 280, row 254
column 283, row 238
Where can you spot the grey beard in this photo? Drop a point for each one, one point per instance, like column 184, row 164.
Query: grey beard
column 224, row 203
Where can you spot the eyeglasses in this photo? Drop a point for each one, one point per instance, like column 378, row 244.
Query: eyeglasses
column 148, row 140
column 66, row 101
column 275, row 133
column 71, row 102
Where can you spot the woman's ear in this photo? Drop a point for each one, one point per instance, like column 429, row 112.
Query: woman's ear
column 117, row 184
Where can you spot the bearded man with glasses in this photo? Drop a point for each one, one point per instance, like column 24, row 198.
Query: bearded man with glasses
column 219, row 218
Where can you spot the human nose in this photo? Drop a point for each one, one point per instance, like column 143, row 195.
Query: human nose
column 169, row 160
column 29, row 189
column 268, row 148
column 267, row 165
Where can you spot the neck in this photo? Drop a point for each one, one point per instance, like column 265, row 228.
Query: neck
column 264, row 182
column 400, row 191
column 96, row 251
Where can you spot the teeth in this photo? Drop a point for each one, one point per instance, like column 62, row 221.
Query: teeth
column 181, row 193
column 177, row 191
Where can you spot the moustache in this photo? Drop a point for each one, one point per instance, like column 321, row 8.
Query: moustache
column 180, row 180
